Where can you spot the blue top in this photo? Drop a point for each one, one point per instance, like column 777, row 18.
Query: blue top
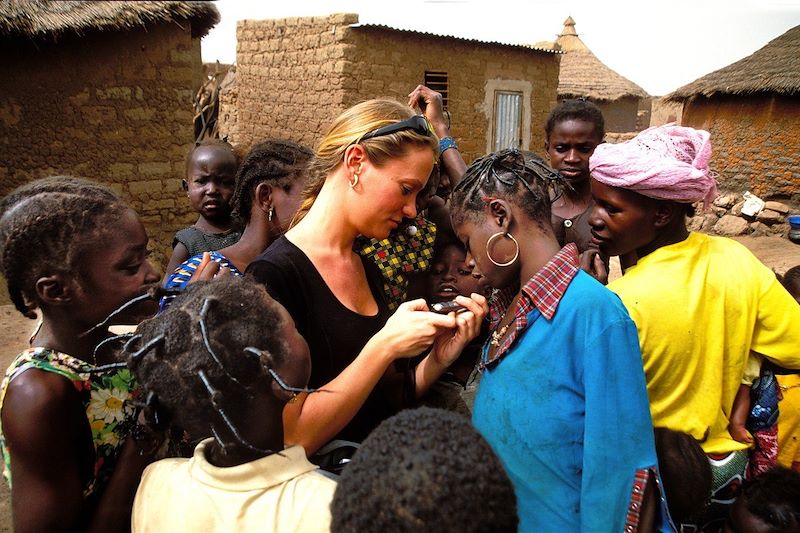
column 180, row 278
column 567, row 412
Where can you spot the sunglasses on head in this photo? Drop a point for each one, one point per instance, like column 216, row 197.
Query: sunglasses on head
column 417, row 124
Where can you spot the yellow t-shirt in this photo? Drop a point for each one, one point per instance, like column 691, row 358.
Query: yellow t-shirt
column 701, row 306
column 275, row 493
column 789, row 420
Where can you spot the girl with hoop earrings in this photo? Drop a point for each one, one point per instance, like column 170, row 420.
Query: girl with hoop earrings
column 562, row 400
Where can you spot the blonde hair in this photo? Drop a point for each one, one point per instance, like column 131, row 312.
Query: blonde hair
column 347, row 129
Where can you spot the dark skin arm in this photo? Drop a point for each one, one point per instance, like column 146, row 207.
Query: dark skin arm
column 46, row 429
column 179, row 255
column 739, row 412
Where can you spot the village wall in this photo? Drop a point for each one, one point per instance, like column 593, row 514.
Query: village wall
column 289, row 79
column 620, row 115
column 755, row 141
column 115, row 107
column 294, row 76
column 391, row 63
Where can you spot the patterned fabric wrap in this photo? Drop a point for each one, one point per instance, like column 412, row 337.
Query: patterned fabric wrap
column 764, row 396
column 764, row 455
column 180, row 278
column 106, row 396
column 399, row 255
column 728, row 471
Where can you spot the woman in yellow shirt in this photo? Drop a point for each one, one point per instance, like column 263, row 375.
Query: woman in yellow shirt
column 700, row 303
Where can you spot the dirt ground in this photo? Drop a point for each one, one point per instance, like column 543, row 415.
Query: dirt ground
column 777, row 253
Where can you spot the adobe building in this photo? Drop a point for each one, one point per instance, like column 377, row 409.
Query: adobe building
column 584, row 75
column 752, row 110
column 104, row 90
column 294, row 76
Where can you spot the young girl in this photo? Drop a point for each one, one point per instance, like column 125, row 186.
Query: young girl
column 217, row 364
column 76, row 256
column 368, row 169
column 562, row 400
column 572, row 132
column 210, row 172
column 267, row 194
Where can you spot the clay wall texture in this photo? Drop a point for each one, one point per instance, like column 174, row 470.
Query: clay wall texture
column 620, row 115
column 756, row 142
column 114, row 107
column 294, row 76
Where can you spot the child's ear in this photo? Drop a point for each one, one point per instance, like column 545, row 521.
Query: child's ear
column 56, row 289
column 500, row 213
column 666, row 212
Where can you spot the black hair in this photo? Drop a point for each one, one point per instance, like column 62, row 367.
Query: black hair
column 791, row 280
column 277, row 161
column 577, row 109
column 518, row 177
column 685, row 472
column 212, row 143
column 48, row 232
column 68, row 184
column 424, row 470
column 206, row 352
column 774, row 498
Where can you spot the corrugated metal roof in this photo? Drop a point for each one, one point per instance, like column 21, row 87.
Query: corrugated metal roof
column 463, row 39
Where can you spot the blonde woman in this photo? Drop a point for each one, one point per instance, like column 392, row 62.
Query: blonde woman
column 367, row 172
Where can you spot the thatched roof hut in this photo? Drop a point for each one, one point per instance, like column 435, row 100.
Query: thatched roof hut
column 582, row 74
column 775, row 69
column 752, row 109
column 40, row 19
column 104, row 90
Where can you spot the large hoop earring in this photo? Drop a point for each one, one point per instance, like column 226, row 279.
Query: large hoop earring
column 355, row 180
column 489, row 254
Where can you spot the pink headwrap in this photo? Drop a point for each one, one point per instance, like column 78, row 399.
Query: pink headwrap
column 664, row 162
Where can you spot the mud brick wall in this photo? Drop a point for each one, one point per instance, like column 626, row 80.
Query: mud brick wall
column 385, row 62
column 115, row 107
column 294, row 76
column 756, row 142
column 289, row 79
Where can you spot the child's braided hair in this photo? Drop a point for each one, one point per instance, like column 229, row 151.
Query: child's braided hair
column 519, row 177
column 209, row 330
column 47, row 227
column 277, row 161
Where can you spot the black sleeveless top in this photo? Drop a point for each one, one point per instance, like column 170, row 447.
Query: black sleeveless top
column 335, row 334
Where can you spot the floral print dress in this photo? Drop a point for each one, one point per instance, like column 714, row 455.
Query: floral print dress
column 106, row 396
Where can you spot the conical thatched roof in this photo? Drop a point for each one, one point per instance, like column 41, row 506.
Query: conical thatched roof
column 775, row 68
column 41, row 19
column 582, row 74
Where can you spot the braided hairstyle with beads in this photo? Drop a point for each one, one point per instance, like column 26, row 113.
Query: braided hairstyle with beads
column 47, row 227
column 521, row 178
column 276, row 161
column 206, row 331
